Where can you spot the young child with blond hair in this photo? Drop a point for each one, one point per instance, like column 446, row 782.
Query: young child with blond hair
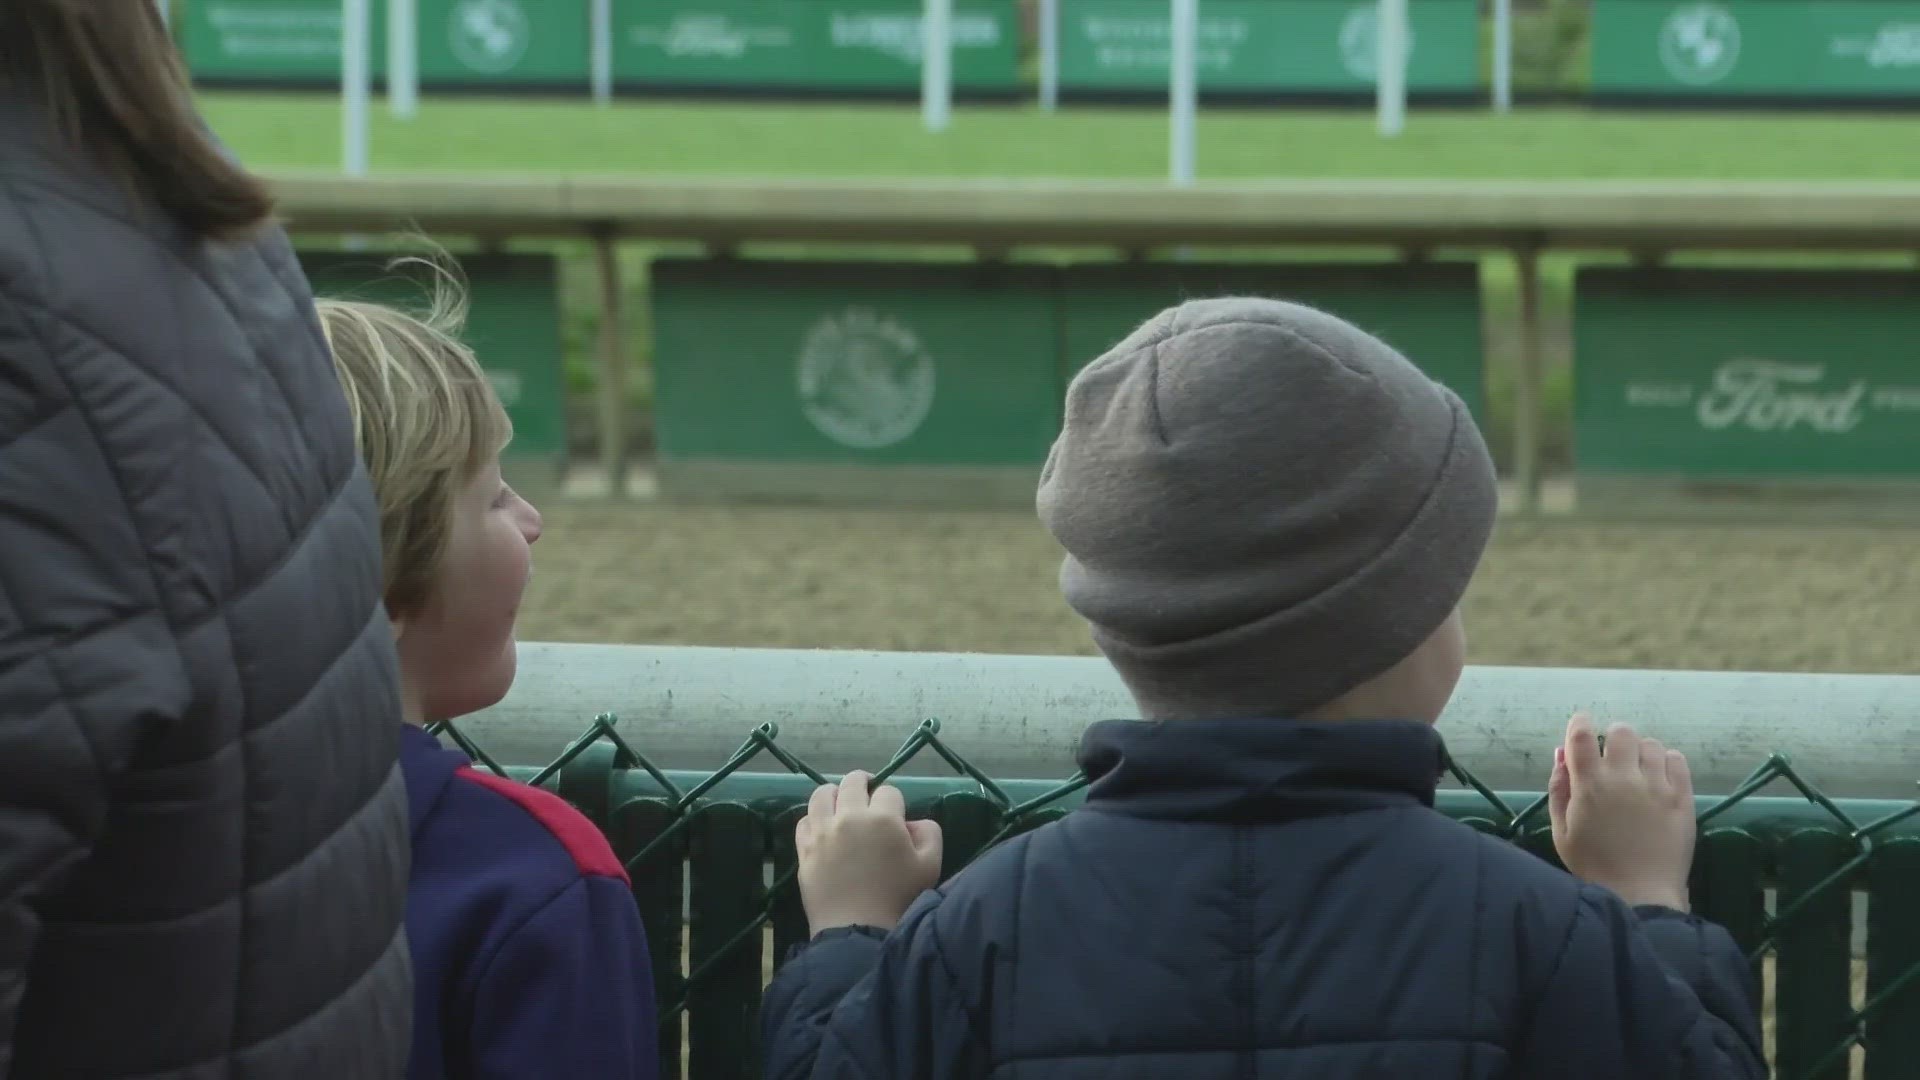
column 528, row 952
column 1269, row 519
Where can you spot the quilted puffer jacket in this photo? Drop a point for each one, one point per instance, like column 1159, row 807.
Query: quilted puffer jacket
column 203, row 829
column 1267, row 899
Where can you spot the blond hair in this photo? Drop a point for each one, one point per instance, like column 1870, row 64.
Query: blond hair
column 425, row 418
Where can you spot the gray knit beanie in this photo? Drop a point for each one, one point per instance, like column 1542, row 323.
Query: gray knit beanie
column 1263, row 507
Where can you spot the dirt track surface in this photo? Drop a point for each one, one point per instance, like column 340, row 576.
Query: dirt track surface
column 1709, row 597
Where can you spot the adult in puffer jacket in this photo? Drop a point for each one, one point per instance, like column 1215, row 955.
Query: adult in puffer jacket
column 203, row 830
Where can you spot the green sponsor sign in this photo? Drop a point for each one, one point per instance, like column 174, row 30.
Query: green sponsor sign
column 504, row 41
column 1431, row 314
column 1276, row 46
column 808, row 44
column 1729, row 48
column 854, row 364
column 461, row 42
column 513, row 326
column 1747, row 374
column 277, row 40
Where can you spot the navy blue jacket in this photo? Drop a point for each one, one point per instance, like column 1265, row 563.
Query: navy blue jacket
column 529, row 957
column 1266, row 899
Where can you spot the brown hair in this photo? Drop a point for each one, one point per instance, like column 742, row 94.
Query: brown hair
column 425, row 417
column 113, row 85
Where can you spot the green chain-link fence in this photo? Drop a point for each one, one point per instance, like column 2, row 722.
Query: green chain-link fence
column 712, row 861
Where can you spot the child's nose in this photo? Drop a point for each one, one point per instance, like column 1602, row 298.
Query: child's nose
column 530, row 523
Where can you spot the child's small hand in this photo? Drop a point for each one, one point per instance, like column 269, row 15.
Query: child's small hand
column 1623, row 819
column 862, row 862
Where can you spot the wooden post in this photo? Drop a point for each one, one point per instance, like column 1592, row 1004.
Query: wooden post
column 613, row 364
column 1526, row 395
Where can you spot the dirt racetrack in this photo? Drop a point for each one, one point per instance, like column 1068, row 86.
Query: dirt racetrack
column 1786, row 598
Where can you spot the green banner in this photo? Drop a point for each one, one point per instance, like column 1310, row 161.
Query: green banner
column 1776, row 48
column 1431, row 314
column 288, row 41
column 1276, row 46
column 461, row 42
column 854, row 364
column 513, row 326
column 544, row 42
column 824, row 45
column 1746, row 373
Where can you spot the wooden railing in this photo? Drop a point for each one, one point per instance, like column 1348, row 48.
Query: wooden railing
column 1522, row 219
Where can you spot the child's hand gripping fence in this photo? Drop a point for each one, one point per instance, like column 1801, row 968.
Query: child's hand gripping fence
column 713, row 865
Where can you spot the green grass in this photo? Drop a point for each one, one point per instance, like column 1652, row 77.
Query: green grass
column 462, row 134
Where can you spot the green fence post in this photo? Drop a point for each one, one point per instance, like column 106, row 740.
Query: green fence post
column 789, row 914
column 587, row 783
column 1813, row 972
column 1726, row 887
column 659, row 883
column 727, row 859
column 967, row 822
column 1893, row 954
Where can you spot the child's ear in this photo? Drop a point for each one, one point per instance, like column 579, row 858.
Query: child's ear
column 399, row 624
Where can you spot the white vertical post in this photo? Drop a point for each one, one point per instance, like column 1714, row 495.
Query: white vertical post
column 355, row 44
column 1502, row 55
column 1049, row 54
column 1390, row 75
column 1184, row 88
column 403, row 58
column 936, row 64
column 602, row 30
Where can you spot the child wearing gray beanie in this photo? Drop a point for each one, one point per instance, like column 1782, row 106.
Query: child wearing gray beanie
column 1269, row 519
column 1264, row 509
